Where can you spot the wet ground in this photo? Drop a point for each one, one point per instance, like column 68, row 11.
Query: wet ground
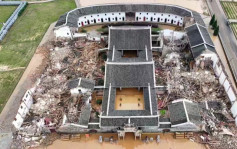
column 167, row 141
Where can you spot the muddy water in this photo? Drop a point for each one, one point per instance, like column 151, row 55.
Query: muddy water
column 191, row 4
column 167, row 142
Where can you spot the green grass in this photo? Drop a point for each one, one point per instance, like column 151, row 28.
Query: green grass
column 230, row 9
column 234, row 28
column 5, row 13
column 8, row 82
column 20, row 43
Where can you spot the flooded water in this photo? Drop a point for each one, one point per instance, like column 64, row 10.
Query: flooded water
column 191, row 4
column 166, row 142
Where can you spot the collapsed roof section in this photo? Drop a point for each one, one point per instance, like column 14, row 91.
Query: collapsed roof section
column 199, row 40
column 81, row 83
column 184, row 113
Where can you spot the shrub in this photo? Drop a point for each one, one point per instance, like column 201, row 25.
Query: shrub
column 83, row 30
column 99, row 101
column 216, row 31
column 162, row 112
column 212, row 20
column 214, row 25
column 100, row 82
column 104, row 57
column 102, row 68
column 97, row 114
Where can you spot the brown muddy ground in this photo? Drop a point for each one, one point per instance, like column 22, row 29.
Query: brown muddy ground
column 166, row 142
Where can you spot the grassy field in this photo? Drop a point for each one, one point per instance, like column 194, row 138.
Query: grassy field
column 5, row 13
column 234, row 28
column 230, row 9
column 20, row 43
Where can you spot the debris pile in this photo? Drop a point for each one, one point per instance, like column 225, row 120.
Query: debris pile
column 52, row 97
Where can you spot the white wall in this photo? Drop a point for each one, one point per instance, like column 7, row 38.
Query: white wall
column 159, row 17
column 63, row 32
column 101, row 18
column 24, row 108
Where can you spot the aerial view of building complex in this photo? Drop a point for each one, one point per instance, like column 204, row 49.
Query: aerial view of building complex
column 118, row 74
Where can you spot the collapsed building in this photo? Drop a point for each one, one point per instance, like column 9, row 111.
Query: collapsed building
column 132, row 94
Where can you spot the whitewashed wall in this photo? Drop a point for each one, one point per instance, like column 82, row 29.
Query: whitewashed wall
column 159, row 18
column 24, row 108
column 63, row 32
column 101, row 18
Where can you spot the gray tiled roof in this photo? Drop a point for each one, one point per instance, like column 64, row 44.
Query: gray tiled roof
column 85, row 115
column 199, row 39
column 143, row 122
column 196, row 51
column 160, row 8
column 140, row 58
column 198, row 34
column 81, row 82
column 113, row 112
column 123, row 75
column 129, row 38
column 177, row 113
column 193, row 112
column 195, row 37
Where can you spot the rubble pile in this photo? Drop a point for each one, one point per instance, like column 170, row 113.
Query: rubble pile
column 196, row 84
column 52, row 97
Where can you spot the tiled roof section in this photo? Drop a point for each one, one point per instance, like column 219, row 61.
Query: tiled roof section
column 196, row 51
column 194, row 36
column 144, row 121
column 85, row 115
column 159, row 8
column 143, row 56
column 193, row 112
column 73, row 83
column 177, row 113
column 113, row 112
column 113, row 122
column 81, row 82
column 87, row 83
column 205, row 35
column 61, row 20
column 198, row 19
column 199, row 40
column 129, row 38
column 124, row 75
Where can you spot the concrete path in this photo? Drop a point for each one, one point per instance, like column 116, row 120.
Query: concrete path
column 232, row 20
column 226, row 35
column 78, row 3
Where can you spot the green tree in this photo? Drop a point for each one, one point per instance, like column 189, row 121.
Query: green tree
column 214, row 25
column 212, row 20
column 102, row 68
column 216, row 31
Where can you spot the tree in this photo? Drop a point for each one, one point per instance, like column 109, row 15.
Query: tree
column 102, row 68
column 216, row 31
column 104, row 56
column 214, row 25
column 212, row 20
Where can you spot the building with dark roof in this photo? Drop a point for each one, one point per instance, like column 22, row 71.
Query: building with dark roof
column 125, row 73
column 184, row 113
column 199, row 40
